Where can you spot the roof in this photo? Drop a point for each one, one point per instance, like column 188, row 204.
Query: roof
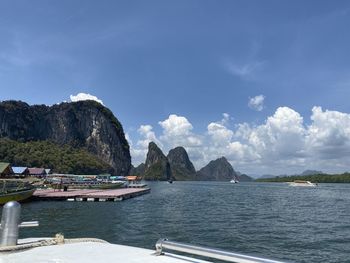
column 3, row 166
column 36, row 171
column 133, row 178
column 47, row 171
column 19, row 170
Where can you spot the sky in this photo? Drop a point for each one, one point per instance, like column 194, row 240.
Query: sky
column 264, row 83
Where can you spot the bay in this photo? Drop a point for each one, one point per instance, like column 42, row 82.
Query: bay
column 272, row 220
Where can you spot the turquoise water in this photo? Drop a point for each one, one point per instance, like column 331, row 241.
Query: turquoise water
column 265, row 219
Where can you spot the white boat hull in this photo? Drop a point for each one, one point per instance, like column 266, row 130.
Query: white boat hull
column 92, row 252
column 304, row 184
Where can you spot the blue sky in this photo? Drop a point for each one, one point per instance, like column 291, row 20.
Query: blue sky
column 237, row 64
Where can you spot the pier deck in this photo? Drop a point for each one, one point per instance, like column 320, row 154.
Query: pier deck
column 89, row 194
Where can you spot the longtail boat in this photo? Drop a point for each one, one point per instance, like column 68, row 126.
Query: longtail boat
column 11, row 190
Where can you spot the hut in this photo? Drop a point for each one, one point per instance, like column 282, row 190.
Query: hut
column 20, row 171
column 37, row 172
column 133, row 179
column 5, row 169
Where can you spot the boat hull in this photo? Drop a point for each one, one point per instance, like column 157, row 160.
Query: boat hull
column 302, row 184
column 16, row 196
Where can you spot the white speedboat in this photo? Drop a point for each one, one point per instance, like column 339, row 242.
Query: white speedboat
column 234, row 181
column 302, row 183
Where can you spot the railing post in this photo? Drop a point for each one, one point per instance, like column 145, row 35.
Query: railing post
column 159, row 246
column 9, row 224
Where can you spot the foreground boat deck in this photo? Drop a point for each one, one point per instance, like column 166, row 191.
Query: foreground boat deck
column 89, row 194
column 92, row 252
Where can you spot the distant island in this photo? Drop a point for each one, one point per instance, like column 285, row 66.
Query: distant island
column 315, row 178
column 177, row 166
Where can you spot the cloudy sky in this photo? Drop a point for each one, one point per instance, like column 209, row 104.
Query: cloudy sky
column 264, row 83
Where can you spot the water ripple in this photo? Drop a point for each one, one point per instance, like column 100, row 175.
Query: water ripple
column 272, row 220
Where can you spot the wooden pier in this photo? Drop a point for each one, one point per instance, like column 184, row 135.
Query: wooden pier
column 93, row 195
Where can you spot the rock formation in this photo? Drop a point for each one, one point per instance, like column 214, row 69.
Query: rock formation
column 218, row 170
column 157, row 166
column 83, row 124
column 139, row 170
column 181, row 167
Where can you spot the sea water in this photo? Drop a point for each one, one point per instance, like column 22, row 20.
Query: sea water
column 296, row 224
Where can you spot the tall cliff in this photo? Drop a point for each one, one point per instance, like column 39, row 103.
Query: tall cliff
column 83, row 124
column 218, row 170
column 157, row 166
column 181, row 166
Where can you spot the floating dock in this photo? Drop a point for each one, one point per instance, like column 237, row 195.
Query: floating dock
column 93, row 195
column 137, row 185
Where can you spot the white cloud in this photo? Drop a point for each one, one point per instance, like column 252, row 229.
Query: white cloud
column 282, row 136
column 139, row 151
column 329, row 134
column 84, row 96
column 176, row 125
column 177, row 130
column 225, row 118
column 220, row 135
column 282, row 144
column 148, row 135
column 244, row 70
column 256, row 103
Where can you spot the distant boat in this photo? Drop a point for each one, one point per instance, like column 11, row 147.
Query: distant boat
column 234, row 181
column 302, row 183
column 170, row 181
column 15, row 191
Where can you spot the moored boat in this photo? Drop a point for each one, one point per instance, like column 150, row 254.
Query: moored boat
column 15, row 191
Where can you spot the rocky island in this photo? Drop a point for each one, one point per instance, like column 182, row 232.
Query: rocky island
column 84, row 125
column 177, row 166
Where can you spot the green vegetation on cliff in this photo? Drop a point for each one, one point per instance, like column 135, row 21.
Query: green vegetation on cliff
column 59, row 158
column 318, row 178
column 157, row 172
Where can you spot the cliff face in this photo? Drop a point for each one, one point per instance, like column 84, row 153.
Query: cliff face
column 218, row 170
column 83, row 124
column 181, row 166
column 157, row 166
column 139, row 170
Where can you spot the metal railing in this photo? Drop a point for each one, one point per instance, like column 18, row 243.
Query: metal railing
column 10, row 224
column 209, row 252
